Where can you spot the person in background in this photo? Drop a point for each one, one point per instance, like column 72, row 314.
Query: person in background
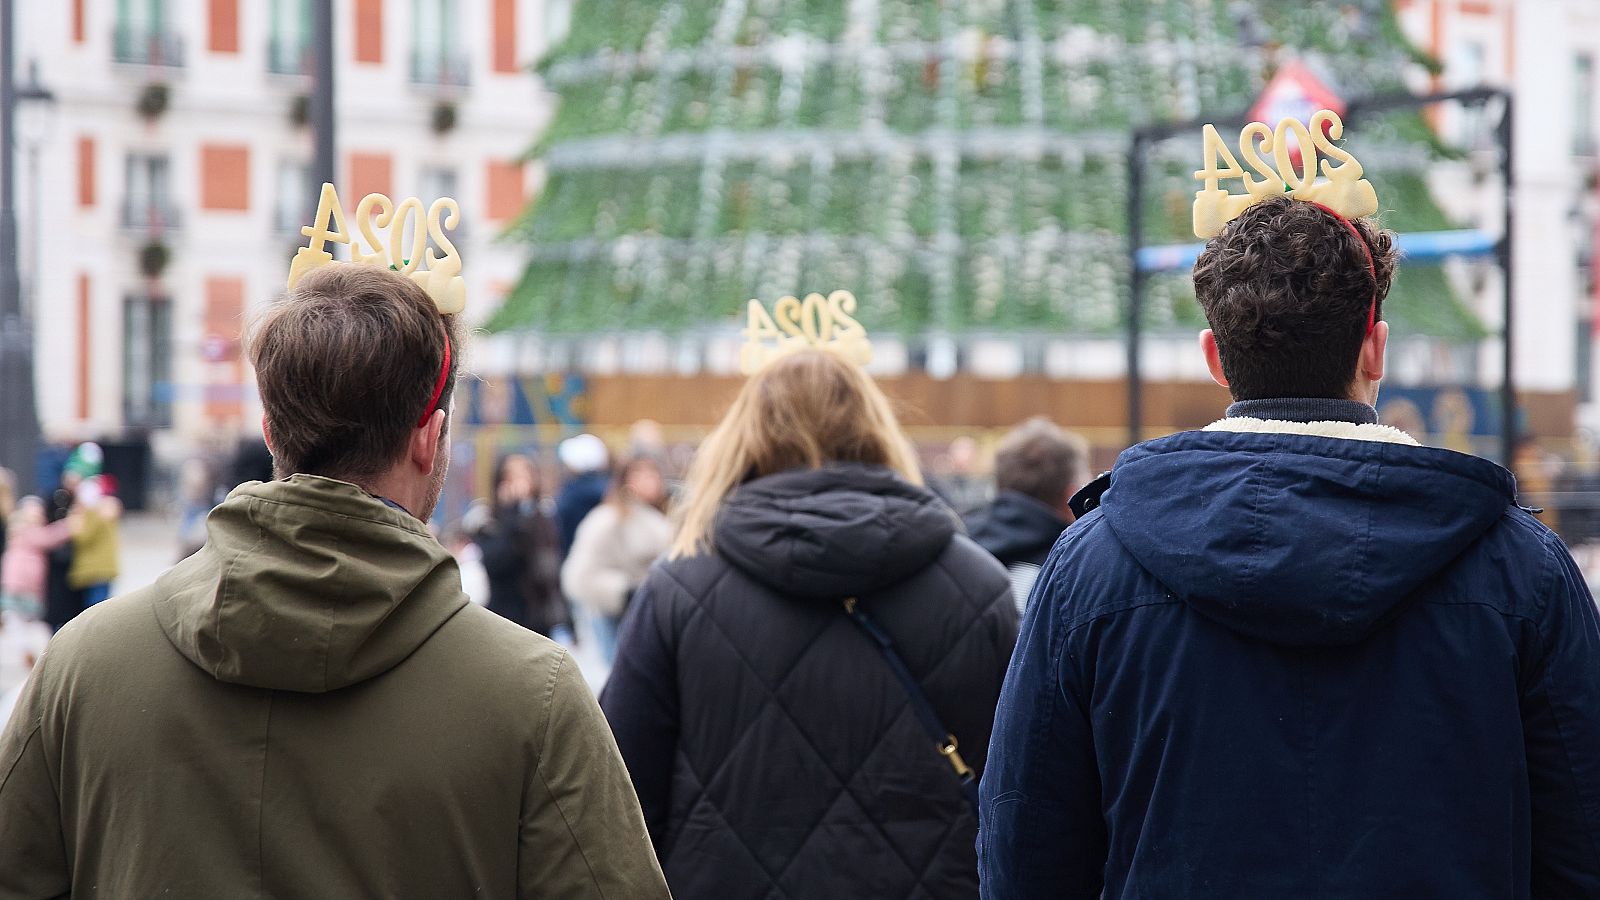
column 768, row 735
column 62, row 603
column 8, row 497
column 646, row 438
column 1037, row 469
column 25, row 564
column 521, row 551
column 79, row 487
column 586, row 460
column 614, row 548
column 252, row 461
column 959, row 481
column 96, row 540
column 86, row 461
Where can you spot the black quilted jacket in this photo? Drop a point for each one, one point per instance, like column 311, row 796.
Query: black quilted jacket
column 773, row 750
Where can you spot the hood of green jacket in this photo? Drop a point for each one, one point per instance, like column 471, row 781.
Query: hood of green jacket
column 308, row 585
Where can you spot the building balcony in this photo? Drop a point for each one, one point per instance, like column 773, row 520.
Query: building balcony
column 139, row 47
column 148, row 215
column 289, row 57
column 287, row 220
column 444, row 69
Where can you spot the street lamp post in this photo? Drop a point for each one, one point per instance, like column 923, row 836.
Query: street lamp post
column 33, row 91
column 19, row 418
column 323, row 166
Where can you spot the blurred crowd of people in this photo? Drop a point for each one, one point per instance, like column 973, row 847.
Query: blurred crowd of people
column 561, row 561
column 58, row 556
column 562, row 548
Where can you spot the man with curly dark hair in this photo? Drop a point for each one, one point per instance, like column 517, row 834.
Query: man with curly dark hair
column 1296, row 654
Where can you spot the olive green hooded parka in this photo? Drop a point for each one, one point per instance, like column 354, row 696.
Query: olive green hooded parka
column 310, row 708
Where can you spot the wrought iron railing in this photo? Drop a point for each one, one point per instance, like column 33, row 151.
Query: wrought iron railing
column 149, row 214
column 140, row 46
column 288, row 56
column 447, row 68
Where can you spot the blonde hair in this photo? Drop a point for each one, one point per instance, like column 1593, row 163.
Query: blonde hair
column 806, row 409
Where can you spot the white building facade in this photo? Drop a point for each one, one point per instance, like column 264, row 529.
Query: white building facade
column 173, row 166
column 1548, row 53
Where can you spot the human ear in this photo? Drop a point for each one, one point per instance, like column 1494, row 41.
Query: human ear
column 1373, row 349
column 424, row 449
column 1208, row 346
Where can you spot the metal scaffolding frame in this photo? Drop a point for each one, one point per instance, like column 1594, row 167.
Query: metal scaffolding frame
column 1139, row 256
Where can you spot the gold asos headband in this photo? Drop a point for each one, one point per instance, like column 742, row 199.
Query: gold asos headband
column 441, row 277
column 794, row 324
column 1294, row 148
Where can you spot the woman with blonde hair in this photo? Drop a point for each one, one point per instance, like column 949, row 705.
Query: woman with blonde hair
column 775, row 748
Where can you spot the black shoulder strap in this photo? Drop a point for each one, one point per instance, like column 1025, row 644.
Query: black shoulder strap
column 943, row 739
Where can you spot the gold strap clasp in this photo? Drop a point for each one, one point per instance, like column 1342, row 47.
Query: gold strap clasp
column 949, row 750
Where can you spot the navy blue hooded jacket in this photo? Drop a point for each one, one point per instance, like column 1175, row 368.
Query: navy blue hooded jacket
column 1279, row 666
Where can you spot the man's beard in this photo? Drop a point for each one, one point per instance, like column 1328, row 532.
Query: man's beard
column 441, row 468
column 435, row 488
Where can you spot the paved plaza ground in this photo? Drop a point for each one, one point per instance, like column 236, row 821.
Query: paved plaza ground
column 149, row 546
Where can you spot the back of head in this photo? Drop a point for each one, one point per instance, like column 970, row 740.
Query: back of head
column 1042, row 461
column 1288, row 292
column 516, row 476
column 637, row 482
column 346, row 365
column 29, row 513
column 584, row 453
column 804, row 410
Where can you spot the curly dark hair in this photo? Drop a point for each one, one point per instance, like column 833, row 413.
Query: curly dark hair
column 1286, row 290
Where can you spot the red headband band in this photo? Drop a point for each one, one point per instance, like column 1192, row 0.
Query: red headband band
column 438, row 386
column 1372, row 269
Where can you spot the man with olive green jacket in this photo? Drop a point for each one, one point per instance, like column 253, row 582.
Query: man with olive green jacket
column 309, row 707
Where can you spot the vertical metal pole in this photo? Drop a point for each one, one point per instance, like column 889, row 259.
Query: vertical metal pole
column 19, row 421
column 10, row 290
column 324, row 166
column 1135, row 287
column 30, row 298
column 1506, row 133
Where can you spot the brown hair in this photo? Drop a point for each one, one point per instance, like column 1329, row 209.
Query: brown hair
column 620, row 496
column 1287, row 291
column 806, row 409
column 345, row 365
column 1042, row 461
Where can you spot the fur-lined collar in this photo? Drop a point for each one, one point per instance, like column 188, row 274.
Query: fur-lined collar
column 1349, row 431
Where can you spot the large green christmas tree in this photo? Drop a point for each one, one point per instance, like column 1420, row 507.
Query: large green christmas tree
column 959, row 164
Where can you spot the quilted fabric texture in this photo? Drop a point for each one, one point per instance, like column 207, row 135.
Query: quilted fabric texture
column 774, row 752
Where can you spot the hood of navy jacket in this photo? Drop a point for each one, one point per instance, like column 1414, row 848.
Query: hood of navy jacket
column 834, row 532
column 1017, row 528
column 1299, row 539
